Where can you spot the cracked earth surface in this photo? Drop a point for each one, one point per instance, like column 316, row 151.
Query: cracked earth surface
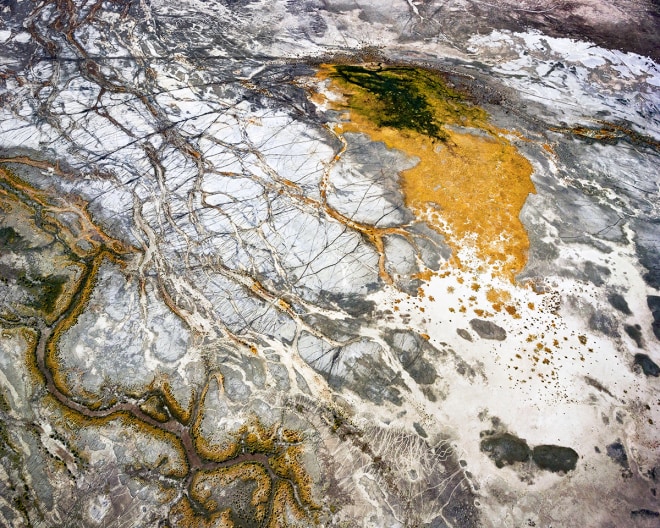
column 329, row 264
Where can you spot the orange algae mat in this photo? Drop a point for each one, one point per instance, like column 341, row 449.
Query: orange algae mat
column 471, row 182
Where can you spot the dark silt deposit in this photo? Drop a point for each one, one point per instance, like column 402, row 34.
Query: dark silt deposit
column 617, row 452
column 506, row 449
column 648, row 366
column 488, row 329
column 555, row 458
column 619, row 302
column 654, row 305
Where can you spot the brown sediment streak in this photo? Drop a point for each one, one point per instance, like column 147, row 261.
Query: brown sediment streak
column 470, row 180
column 373, row 234
column 609, row 133
column 54, row 205
column 272, row 454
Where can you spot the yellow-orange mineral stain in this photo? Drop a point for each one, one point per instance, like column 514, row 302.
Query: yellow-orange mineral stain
column 472, row 179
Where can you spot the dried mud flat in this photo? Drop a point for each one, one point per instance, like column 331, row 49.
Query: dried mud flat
column 373, row 264
column 626, row 25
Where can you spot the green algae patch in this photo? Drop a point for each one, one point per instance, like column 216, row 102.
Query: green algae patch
column 10, row 239
column 392, row 99
column 406, row 99
column 45, row 291
column 470, row 183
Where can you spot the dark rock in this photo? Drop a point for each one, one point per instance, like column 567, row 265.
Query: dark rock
column 420, row 430
column 506, row 449
column 644, row 513
column 555, row 458
column 649, row 367
column 654, row 305
column 635, row 333
column 488, row 330
column 617, row 452
column 464, row 334
column 647, row 234
column 619, row 302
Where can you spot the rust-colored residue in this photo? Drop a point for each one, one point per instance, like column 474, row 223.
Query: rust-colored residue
column 609, row 133
column 470, row 180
